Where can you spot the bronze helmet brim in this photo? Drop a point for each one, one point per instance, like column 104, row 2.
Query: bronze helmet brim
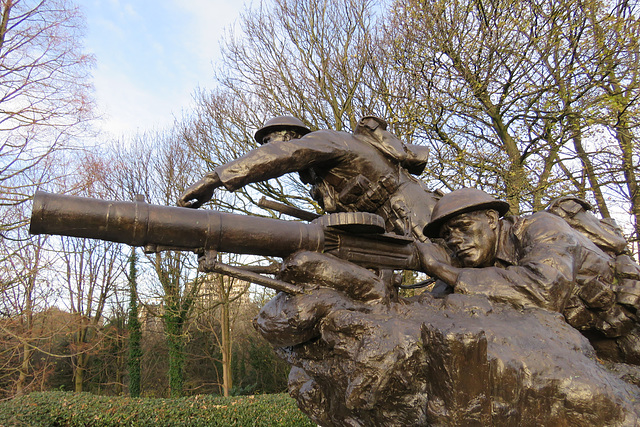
column 281, row 123
column 432, row 229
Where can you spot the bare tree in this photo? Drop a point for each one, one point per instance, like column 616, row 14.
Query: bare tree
column 510, row 92
column 93, row 269
column 220, row 300
column 89, row 271
column 615, row 41
column 26, row 291
column 44, row 102
column 45, row 97
column 158, row 166
column 317, row 62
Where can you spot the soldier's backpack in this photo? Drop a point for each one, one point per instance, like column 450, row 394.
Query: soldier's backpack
column 605, row 233
column 587, row 308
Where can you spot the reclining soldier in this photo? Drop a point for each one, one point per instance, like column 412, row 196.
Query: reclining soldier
column 367, row 171
column 537, row 261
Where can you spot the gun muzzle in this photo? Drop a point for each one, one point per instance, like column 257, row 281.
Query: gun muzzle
column 140, row 224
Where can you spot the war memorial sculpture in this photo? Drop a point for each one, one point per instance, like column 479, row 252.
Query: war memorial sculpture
column 535, row 321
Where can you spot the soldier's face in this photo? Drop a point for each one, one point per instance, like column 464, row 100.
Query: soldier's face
column 280, row 135
column 472, row 237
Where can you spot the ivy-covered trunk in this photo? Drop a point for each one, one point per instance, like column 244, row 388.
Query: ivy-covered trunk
column 135, row 332
column 173, row 328
column 178, row 301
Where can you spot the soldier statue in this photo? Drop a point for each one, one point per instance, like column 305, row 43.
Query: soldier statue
column 369, row 170
column 540, row 260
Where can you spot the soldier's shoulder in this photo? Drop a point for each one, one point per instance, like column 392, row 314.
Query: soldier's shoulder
column 544, row 216
column 338, row 139
column 328, row 134
column 538, row 224
column 544, row 219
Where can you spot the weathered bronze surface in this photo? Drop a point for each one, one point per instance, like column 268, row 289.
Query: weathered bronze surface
column 164, row 227
column 459, row 361
column 367, row 171
column 541, row 261
column 534, row 306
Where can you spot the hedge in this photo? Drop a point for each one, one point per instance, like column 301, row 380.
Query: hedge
column 66, row 409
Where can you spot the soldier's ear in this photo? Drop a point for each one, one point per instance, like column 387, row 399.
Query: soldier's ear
column 493, row 218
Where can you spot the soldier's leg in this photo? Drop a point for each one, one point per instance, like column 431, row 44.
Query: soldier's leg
column 313, row 270
column 330, row 284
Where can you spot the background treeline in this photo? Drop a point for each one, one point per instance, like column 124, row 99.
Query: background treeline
column 528, row 100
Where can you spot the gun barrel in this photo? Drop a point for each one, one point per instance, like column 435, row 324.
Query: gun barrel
column 287, row 210
column 139, row 224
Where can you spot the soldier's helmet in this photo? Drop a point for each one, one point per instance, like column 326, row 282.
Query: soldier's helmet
column 458, row 202
column 281, row 123
column 371, row 123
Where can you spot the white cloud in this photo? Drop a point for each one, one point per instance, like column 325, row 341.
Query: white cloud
column 130, row 11
column 152, row 55
column 210, row 20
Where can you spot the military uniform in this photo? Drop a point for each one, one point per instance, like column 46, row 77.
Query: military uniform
column 367, row 171
column 541, row 261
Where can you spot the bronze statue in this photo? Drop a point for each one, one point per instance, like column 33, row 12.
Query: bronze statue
column 539, row 261
column 495, row 351
column 468, row 359
column 367, row 171
column 361, row 358
column 458, row 361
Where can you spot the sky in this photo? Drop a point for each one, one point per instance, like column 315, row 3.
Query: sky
column 151, row 55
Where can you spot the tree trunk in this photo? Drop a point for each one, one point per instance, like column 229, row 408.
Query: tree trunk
column 175, row 341
column 226, row 349
column 135, row 332
column 6, row 12
column 588, row 166
column 78, row 376
column 82, row 358
column 27, row 352
column 625, row 140
column 515, row 178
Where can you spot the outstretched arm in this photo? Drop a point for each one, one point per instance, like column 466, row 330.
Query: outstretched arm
column 268, row 161
column 200, row 192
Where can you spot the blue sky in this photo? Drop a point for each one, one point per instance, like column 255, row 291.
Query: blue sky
column 151, row 55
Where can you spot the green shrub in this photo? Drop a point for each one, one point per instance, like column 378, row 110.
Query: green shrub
column 66, row 409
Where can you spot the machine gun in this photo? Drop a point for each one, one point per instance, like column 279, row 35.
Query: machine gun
column 357, row 237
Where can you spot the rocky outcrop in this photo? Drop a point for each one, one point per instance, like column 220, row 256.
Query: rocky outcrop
column 457, row 361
